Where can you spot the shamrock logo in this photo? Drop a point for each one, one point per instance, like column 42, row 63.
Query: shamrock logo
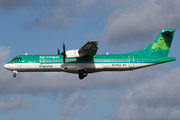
column 161, row 44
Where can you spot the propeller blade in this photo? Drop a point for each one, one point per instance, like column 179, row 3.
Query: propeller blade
column 64, row 53
column 64, row 48
column 64, row 59
column 58, row 51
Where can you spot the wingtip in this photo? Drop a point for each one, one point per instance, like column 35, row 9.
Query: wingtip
column 94, row 41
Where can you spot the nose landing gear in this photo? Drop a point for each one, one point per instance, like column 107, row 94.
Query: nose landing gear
column 14, row 75
column 82, row 73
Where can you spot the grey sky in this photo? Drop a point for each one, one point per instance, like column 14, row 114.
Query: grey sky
column 152, row 99
column 15, row 103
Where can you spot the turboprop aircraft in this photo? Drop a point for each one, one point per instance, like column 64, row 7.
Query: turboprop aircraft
column 85, row 60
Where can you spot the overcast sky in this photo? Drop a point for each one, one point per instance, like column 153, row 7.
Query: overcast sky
column 121, row 26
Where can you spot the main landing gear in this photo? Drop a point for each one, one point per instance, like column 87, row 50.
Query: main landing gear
column 82, row 73
column 15, row 74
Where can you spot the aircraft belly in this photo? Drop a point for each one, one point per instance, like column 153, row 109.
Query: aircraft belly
column 73, row 67
column 97, row 67
column 137, row 65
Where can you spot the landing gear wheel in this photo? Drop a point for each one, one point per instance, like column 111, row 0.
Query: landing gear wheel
column 15, row 72
column 14, row 75
column 82, row 73
column 81, row 76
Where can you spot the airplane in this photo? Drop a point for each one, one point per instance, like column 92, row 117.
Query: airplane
column 85, row 60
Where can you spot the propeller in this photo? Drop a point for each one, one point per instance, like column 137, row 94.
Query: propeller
column 58, row 51
column 64, row 53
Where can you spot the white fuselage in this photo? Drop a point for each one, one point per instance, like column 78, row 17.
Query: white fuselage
column 73, row 67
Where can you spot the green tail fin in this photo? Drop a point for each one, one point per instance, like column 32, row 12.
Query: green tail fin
column 161, row 46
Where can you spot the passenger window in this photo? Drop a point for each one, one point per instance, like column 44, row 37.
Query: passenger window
column 115, row 60
column 125, row 60
column 58, row 60
column 121, row 60
column 48, row 60
column 105, row 60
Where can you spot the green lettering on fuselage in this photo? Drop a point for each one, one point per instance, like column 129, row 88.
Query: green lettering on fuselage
column 45, row 66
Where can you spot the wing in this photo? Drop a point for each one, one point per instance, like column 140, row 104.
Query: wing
column 89, row 49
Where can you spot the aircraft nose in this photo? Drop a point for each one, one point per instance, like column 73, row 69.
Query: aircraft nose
column 6, row 66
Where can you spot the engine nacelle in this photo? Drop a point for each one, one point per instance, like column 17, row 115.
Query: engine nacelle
column 73, row 54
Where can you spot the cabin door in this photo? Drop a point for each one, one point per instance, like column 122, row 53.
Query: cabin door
column 131, row 61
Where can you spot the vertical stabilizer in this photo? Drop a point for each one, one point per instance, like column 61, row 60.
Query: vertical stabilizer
column 161, row 46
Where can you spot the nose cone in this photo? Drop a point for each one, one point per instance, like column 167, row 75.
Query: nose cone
column 6, row 66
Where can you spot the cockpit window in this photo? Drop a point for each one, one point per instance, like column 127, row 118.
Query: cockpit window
column 13, row 59
column 16, row 58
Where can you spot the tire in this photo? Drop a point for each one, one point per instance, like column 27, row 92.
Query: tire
column 81, row 76
column 14, row 75
column 82, row 72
